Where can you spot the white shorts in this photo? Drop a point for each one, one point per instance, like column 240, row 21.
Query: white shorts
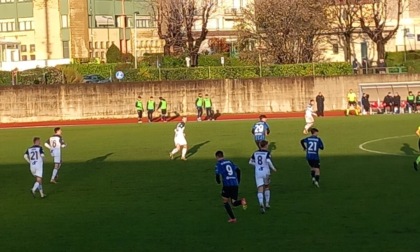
column 180, row 141
column 56, row 154
column 309, row 119
column 262, row 179
column 36, row 170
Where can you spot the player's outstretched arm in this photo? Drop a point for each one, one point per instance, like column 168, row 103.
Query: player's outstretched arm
column 251, row 161
column 26, row 157
column 270, row 164
column 47, row 145
column 217, row 178
column 302, row 142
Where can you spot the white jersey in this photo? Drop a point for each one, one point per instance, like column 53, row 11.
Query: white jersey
column 55, row 143
column 260, row 160
column 35, row 156
column 309, row 111
column 179, row 134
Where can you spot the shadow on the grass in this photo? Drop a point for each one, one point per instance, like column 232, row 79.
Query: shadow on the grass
column 195, row 148
column 408, row 150
column 99, row 159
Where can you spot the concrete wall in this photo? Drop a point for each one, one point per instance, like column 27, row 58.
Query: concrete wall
column 90, row 101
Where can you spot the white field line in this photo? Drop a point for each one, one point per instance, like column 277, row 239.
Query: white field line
column 363, row 148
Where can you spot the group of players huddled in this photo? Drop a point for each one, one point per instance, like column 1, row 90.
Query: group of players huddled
column 230, row 174
column 34, row 155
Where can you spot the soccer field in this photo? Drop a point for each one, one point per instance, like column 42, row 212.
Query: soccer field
column 118, row 190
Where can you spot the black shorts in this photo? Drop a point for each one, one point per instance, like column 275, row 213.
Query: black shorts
column 230, row 192
column 164, row 111
column 352, row 103
column 314, row 164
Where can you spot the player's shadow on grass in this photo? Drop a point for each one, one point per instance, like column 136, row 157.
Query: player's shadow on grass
column 195, row 149
column 175, row 116
column 99, row 159
column 216, row 115
column 272, row 146
column 408, row 150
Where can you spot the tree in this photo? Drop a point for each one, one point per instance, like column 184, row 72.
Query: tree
column 169, row 21
column 343, row 19
column 286, row 31
column 113, row 54
column 376, row 21
column 193, row 12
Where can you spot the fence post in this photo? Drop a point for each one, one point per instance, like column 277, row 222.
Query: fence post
column 209, row 73
column 160, row 74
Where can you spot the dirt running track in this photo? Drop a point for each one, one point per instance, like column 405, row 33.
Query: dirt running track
column 134, row 120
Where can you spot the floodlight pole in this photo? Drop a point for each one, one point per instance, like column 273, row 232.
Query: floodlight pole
column 135, row 39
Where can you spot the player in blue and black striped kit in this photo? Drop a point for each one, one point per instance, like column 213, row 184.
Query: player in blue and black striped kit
column 260, row 130
column 231, row 177
column 312, row 145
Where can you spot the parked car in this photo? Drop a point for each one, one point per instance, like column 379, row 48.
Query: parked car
column 95, row 78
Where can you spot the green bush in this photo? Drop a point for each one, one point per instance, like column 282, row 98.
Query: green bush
column 113, row 54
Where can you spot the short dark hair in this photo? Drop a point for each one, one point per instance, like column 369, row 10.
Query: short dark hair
column 56, row 129
column 313, row 130
column 263, row 143
column 262, row 116
column 36, row 139
column 219, row 154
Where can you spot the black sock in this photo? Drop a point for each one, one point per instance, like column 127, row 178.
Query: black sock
column 229, row 210
column 317, row 178
column 237, row 203
column 312, row 174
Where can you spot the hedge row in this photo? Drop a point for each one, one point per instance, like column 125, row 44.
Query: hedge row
column 74, row 73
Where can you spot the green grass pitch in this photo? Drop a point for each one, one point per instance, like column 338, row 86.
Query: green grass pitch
column 119, row 191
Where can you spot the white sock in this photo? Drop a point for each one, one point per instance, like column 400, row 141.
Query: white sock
column 184, row 152
column 54, row 174
column 267, row 197
column 41, row 191
column 260, row 198
column 36, row 184
column 174, row 151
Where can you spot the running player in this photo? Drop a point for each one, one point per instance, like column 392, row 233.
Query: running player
column 34, row 155
column 231, row 177
column 312, row 145
column 309, row 117
column 180, row 141
column 260, row 130
column 417, row 162
column 261, row 159
column 55, row 143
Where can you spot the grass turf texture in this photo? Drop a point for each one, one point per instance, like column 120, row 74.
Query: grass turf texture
column 119, row 191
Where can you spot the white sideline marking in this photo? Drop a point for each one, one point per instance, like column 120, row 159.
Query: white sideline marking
column 361, row 146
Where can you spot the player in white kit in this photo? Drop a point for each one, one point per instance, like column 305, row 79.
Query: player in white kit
column 180, row 141
column 309, row 117
column 34, row 155
column 55, row 143
column 261, row 159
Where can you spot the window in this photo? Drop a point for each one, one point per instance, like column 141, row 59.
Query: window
column 102, row 45
column 64, row 21
column 335, row 48
column 90, row 45
column 66, row 50
column 32, row 48
column 96, row 54
column 25, row 24
column 418, row 37
column 7, row 25
column 104, row 21
column 32, row 57
column 107, row 44
column 23, row 48
column 143, row 23
column 96, row 44
column 102, row 55
column 24, row 58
